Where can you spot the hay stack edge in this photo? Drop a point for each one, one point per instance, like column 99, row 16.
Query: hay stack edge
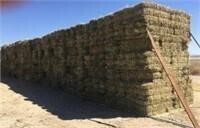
column 110, row 60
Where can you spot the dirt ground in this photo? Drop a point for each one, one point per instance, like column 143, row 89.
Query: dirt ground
column 25, row 105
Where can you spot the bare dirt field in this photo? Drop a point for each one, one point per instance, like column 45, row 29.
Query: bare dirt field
column 194, row 61
column 25, row 105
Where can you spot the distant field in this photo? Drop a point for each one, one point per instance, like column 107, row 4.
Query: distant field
column 195, row 65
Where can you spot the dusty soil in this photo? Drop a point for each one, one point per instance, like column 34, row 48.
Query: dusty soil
column 25, row 105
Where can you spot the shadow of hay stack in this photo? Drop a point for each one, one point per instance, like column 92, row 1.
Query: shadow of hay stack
column 59, row 103
column 66, row 106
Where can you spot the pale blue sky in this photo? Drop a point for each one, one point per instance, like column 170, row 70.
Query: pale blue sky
column 39, row 17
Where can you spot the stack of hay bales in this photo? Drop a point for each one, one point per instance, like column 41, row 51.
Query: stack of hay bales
column 170, row 31
column 110, row 60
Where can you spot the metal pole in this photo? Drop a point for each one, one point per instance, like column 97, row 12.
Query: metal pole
column 174, row 82
column 195, row 40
